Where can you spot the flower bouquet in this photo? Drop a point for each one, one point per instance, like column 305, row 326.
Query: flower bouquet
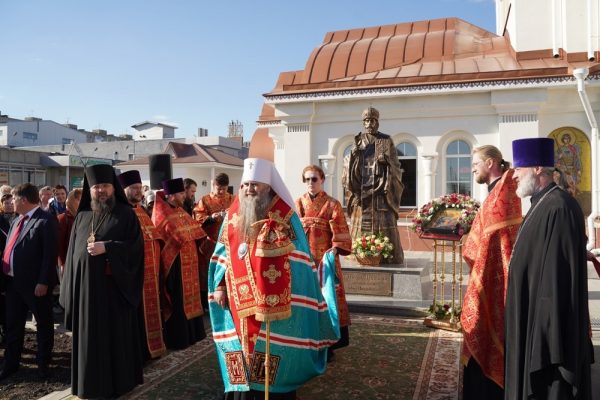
column 443, row 311
column 370, row 248
column 453, row 213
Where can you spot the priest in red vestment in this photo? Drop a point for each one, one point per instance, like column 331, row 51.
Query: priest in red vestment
column 210, row 211
column 181, row 307
column 151, row 321
column 326, row 229
column 487, row 250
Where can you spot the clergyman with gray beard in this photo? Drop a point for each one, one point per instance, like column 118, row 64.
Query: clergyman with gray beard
column 101, row 289
column 253, row 209
column 261, row 278
column 548, row 349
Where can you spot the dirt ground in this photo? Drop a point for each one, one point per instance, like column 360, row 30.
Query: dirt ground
column 25, row 383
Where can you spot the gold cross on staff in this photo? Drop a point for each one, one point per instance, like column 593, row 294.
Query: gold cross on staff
column 272, row 274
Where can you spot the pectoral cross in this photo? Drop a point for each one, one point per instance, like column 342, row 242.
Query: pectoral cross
column 370, row 168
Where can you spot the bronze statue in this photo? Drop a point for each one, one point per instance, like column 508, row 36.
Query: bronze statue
column 374, row 181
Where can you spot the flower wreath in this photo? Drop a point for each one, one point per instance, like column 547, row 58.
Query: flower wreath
column 467, row 204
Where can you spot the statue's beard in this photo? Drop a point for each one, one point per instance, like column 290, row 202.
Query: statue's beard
column 252, row 209
column 103, row 206
column 372, row 130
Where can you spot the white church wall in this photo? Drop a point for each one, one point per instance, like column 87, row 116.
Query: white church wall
column 557, row 24
column 297, row 156
column 430, row 122
column 575, row 37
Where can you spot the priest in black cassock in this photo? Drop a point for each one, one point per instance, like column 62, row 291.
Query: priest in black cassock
column 102, row 289
column 548, row 349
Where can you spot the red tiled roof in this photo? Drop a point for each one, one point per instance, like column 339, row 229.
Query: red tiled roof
column 193, row 153
column 433, row 51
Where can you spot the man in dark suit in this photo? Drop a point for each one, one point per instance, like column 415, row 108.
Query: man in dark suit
column 28, row 263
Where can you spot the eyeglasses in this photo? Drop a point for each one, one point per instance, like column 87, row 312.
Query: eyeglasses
column 312, row 179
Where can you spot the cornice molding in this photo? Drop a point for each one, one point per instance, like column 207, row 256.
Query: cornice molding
column 455, row 87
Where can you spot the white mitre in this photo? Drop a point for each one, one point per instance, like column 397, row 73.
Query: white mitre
column 264, row 171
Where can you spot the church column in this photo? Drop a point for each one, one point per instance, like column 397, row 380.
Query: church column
column 327, row 162
column 277, row 135
column 428, row 162
column 298, row 154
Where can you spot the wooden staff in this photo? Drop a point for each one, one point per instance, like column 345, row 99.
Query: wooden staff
column 267, row 360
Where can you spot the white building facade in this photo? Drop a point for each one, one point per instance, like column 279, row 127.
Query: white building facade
column 36, row 132
column 442, row 87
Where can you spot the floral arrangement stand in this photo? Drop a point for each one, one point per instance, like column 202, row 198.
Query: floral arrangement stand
column 445, row 220
column 450, row 214
column 443, row 314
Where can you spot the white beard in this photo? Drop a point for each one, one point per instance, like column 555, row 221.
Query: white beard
column 526, row 185
column 252, row 209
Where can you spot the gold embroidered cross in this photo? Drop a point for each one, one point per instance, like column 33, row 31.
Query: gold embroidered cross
column 272, row 274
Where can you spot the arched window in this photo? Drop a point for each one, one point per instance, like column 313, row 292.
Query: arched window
column 458, row 168
column 407, row 155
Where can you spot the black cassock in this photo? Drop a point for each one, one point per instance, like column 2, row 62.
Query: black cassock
column 180, row 332
column 548, row 349
column 101, row 295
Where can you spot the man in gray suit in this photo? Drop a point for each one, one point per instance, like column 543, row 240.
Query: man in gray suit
column 28, row 263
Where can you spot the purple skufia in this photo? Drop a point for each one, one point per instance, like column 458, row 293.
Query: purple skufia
column 533, row 152
column 172, row 186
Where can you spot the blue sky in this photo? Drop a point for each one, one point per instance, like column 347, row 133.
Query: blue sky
column 112, row 63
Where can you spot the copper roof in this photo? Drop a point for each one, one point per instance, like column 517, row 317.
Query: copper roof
column 267, row 114
column 433, row 51
column 193, row 153
column 261, row 145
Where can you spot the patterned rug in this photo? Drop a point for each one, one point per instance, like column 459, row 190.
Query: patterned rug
column 389, row 358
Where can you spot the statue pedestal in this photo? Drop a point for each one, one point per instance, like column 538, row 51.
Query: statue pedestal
column 388, row 280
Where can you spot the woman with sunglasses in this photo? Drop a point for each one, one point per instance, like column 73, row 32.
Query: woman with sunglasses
column 326, row 228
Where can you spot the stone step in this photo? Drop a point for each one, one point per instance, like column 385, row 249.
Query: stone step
column 58, row 395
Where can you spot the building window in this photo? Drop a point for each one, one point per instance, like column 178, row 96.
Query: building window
column 30, row 136
column 407, row 155
column 458, row 168
column 67, row 140
column 131, row 156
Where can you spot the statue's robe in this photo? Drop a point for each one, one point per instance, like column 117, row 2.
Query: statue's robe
column 374, row 180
